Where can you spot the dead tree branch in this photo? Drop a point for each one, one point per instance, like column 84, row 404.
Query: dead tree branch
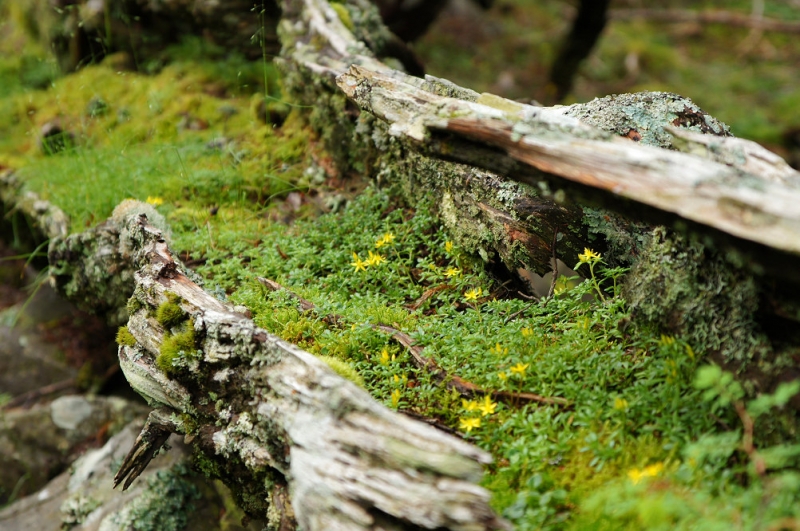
column 268, row 416
column 728, row 18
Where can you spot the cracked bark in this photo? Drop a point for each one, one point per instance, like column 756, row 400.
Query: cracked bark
column 269, row 418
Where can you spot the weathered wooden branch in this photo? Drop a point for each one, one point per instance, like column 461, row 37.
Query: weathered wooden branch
column 268, row 417
column 728, row 18
column 734, row 187
column 652, row 157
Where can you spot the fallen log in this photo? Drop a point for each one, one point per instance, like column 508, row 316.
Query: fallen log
column 274, row 422
column 723, row 266
column 298, row 444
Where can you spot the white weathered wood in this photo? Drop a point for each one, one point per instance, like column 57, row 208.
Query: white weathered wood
column 348, row 462
column 755, row 197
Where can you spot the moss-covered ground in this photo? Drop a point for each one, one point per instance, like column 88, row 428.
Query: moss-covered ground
column 639, row 438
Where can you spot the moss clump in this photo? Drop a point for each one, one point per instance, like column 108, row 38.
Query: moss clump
column 124, row 337
column 344, row 369
column 344, row 15
column 176, row 348
column 169, row 313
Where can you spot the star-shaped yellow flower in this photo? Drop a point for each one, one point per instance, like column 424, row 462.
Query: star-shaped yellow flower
column 468, row 424
column 469, row 405
column 473, row 294
column 520, row 368
column 452, row 272
column 487, row 407
column 588, row 256
column 386, row 239
column 358, row 263
column 374, row 259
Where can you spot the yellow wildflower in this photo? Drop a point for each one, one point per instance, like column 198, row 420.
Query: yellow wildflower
column 473, row 294
column 452, row 272
column 650, row 471
column 469, row 405
column 527, row 331
column 155, row 200
column 358, row 263
column 520, row 368
column 499, row 350
column 374, row 259
column 448, row 247
column 384, row 356
column 396, row 398
column 588, row 256
column 467, row 424
column 502, row 375
column 620, row 404
column 386, row 239
column 487, row 407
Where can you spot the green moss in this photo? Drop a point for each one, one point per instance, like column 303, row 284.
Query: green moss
column 169, row 313
column 124, row 337
column 344, row 15
column 344, row 369
column 133, row 305
column 177, row 349
column 164, row 505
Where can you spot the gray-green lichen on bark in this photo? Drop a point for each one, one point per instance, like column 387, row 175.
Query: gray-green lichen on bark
column 653, row 158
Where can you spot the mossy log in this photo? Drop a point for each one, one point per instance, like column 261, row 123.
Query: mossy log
column 511, row 178
column 709, row 223
column 274, row 422
column 607, row 153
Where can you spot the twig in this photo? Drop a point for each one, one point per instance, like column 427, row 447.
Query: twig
column 38, row 393
column 465, row 388
column 305, row 305
column 427, row 295
column 707, row 17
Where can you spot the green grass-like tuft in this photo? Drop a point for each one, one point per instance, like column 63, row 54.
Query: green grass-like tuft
column 344, row 369
column 124, row 337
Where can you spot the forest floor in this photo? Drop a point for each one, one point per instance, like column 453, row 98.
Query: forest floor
column 641, row 434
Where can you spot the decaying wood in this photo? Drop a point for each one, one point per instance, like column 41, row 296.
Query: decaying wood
column 723, row 190
column 47, row 218
column 483, row 211
column 271, row 417
column 727, row 18
column 464, row 387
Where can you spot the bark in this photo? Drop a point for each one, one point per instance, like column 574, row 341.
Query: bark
column 269, row 418
column 730, row 187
